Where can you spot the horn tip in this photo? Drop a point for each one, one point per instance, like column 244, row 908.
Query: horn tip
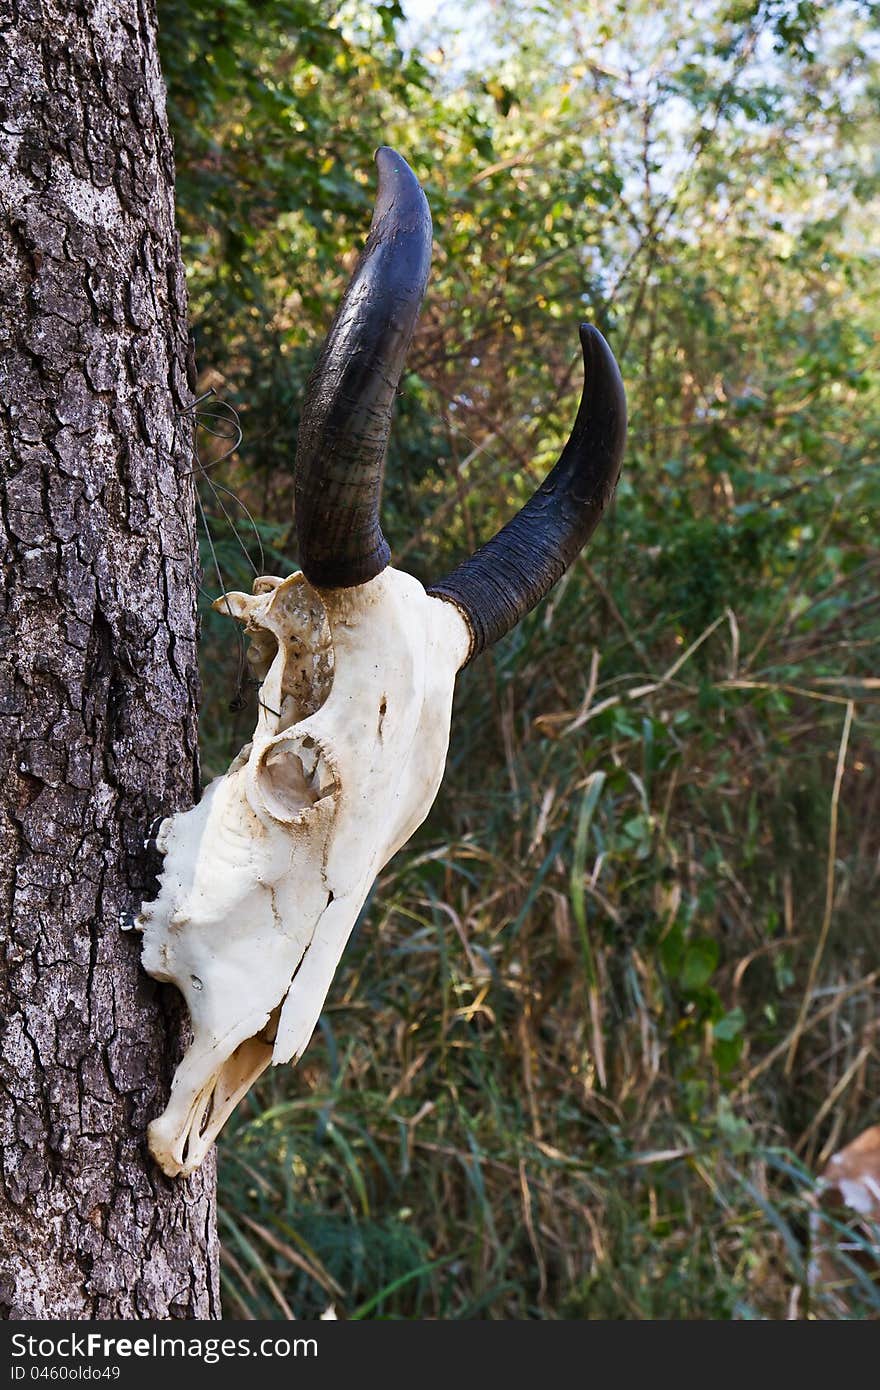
column 598, row 355
column 390, row 164
column 591, row 337
column 397, row 180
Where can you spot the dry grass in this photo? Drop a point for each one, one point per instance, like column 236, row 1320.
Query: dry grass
column 607, row 1014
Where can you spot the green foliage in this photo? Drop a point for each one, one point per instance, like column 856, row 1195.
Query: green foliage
column 616, row 1003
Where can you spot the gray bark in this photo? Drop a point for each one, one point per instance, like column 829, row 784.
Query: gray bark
column 98, row 682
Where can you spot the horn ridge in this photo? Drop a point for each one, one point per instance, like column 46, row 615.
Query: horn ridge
column 346, row 416
column 502, row 581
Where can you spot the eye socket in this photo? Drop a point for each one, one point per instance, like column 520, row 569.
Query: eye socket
column 292, row 776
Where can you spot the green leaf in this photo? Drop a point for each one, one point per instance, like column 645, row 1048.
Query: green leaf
column 700, row 962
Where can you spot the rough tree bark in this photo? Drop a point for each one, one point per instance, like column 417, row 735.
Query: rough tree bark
column 98, row 685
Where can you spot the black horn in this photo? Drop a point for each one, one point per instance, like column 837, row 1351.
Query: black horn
column 505, row 578
column 343, row 432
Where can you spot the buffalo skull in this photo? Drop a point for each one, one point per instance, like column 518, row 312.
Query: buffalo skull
column 263, row 880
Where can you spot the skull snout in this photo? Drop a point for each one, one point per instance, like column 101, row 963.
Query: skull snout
column 206, row 1089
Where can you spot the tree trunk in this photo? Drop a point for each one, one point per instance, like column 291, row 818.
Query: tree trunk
column 98, row 686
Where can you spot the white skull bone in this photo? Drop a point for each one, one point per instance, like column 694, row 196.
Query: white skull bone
column 263, row 881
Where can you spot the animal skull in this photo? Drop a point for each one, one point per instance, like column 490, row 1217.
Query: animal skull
column 264, row 879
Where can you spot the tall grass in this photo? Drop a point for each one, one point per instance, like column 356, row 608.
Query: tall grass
column 611, row 1010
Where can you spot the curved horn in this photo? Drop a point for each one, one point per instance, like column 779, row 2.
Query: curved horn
column 343, row 432
column 504, row 579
